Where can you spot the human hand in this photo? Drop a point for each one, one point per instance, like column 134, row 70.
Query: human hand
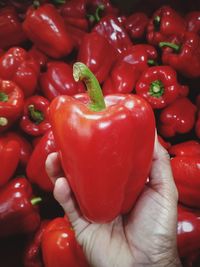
column 144, row 237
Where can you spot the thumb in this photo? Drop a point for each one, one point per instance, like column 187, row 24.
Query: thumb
column 161, row 177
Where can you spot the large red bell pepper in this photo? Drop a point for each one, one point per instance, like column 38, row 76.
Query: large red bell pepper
column 183, row 52
column 35, row 118
column 177, row 118
column 103, row 146
column 159, row 86
column 46, row 29
column 18, row 66
column 98, row 54
column 164, row 23
column 188, row 231
column 9, row 158
column 19, row 212
column 114, row 32
column 128, row 68
column 59, row 245
column 58, row 80
column 11, row 103
column 11, row 32
column 32, row 254
column 185, row 166
column 35, row 170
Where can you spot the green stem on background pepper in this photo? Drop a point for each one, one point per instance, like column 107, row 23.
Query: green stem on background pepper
column 36, row 200
column 35, row 115
column 175, row 47
column 82, row 73
column 156, row 88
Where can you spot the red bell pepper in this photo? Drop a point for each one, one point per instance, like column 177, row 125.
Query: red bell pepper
column 186, row 172
column 35, row 170
column 77, row 36
column 193, row 21
column 11, row 103
column 25, row 147
column 128, row 68
column 164, row 23
column 113, row 31
column 19, row 212
column 188, row 231
column 35, row 119
column 59, row 245
column 159, row 86
column 178, row 117
column 38, row 56
column 183, row 52
column 9, row 158
column 136, row 25
column 46, row 29
column 74, row 13
column 32, row 254
column 18, row 66
column 187, row 148
column 96, row 137
column 98, row 54
column 73, row 9
column 11, row 32
column 58, row 80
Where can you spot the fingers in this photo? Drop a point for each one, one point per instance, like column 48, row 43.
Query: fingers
column 53, row 167
column 63, row 195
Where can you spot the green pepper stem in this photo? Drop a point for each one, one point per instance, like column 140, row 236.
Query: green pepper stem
column 156, row 89
column 82, row 73
column 36, row 4
column 96, row 16
column 3, row 97
column 3, row 121
column 35, row 115
column 152, row 62
column 59, row 2
column 36, row 200
column 175, row 47
column 156, row 23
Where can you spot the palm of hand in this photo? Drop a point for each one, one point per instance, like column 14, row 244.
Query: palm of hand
column 145, row 237
column 135, row 239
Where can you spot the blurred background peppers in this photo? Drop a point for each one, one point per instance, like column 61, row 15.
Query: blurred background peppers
column 185, row 166
column 120, row 41
column 46, row 28
column 18, row 66
column 11, row 103
column 19, row 212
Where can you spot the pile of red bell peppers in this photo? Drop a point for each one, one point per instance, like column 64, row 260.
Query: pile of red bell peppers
column 144, row 54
